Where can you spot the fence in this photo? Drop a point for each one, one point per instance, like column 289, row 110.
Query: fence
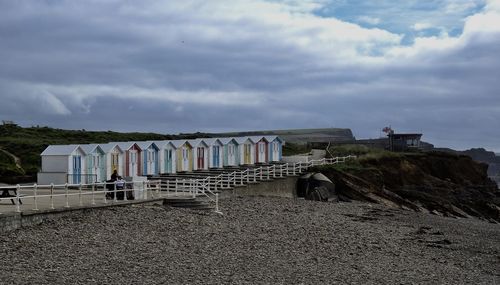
column 68, row 195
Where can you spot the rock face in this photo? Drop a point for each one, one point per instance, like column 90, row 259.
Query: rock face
column 442, row 183
column 316, row 187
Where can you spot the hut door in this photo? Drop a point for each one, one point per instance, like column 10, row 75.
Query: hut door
column 151, row 161
column 168, row 161
column 262, row 153
column 96, row 167
column 230, row 154
column 215, row 155
column 114, row 162
column 133, row 163
column 77, row 169
column 201, row 158
column 185, row 159
column 247, row 153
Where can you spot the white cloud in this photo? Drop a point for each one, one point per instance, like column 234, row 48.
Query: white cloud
column 51, row 105
column 460, row 6
column 421, row 26
column 369, row 20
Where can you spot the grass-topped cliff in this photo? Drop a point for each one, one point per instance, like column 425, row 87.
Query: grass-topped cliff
column 438, row 182
column 20, row 147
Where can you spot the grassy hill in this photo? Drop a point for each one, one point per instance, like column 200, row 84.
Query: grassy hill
column 27, row 144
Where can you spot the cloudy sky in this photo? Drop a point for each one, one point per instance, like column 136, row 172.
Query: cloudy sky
column 428, row 66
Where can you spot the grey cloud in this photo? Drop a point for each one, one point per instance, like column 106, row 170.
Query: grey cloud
column 50, row 51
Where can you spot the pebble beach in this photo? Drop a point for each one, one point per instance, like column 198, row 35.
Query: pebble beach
column 257, row 240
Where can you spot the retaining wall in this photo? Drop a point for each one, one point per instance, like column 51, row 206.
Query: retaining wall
column 278, row 187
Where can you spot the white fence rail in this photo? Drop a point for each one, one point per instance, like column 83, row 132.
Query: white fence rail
column 71, row 195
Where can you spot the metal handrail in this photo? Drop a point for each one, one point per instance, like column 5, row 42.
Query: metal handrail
column 69, row 190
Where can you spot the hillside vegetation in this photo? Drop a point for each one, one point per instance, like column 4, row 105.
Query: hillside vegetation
column 27, row 144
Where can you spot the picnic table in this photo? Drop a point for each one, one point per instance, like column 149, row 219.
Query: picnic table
column 6, row 193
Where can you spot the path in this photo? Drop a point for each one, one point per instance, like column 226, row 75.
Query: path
column 16, row 159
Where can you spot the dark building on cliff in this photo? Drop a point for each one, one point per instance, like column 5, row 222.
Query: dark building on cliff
column 404, row 142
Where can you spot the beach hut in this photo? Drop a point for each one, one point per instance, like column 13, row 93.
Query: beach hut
column 183, row 155
column 132, row 164
column 96, row 162
column 275, row 148
column 114, row 159
column 200, row 154
column 215, row 153
column 167, row 156
column 261, row 149
column 246, row 150
column 149, row 158
column 63, row 164
column 230, row 154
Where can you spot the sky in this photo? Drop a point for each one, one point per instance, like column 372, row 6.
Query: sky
column 211, row 66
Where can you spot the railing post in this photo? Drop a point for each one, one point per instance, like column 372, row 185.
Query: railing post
column 260, row 173
column 93, row 193
column 168, row 187
column 255, row 175
column 18, row 198
column 176, row 185
column 125, row 191
column 66, row 190
column 105, row 192
column 80, row 202
column 217, row 203
column 52, row 195
column 281, row 170
column 268, row 170
column 35, row 193
column 294, row 166
column 241, row 178
column 287, row 171
column 274, row 170
column 158, row 189
column 115, row 199
column 248, row 175
column 145, row 190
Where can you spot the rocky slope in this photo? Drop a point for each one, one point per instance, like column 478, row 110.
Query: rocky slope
column 440, row 183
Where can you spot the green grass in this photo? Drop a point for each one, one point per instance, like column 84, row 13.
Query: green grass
column 294, row 149
column 363, row 152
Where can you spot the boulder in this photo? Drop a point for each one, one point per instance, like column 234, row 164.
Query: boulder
column 317, row 187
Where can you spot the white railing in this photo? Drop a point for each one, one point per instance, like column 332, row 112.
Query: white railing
column 68, row 195
column 208, row 186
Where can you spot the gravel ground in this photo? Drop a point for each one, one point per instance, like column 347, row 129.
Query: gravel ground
column 257, row 240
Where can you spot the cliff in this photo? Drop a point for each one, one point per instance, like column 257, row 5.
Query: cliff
column 436, row 182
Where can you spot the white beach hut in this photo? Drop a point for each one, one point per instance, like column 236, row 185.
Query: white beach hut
column 62, row 164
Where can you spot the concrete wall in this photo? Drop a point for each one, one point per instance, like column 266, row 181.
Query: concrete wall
column 280, row 187
column 296, row 158
column 45, row 178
